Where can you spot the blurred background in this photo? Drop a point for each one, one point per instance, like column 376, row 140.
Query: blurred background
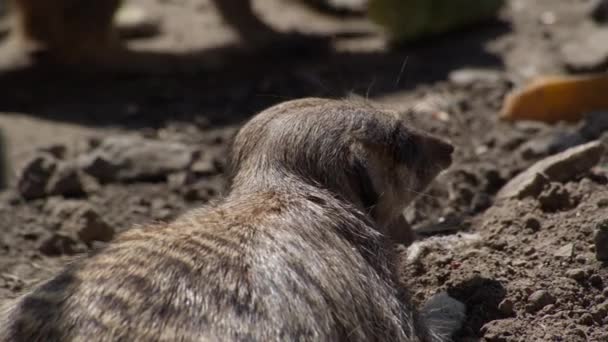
column 510, row 83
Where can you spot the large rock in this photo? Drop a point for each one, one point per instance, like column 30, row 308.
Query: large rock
column 127, row 158
column 557, row 168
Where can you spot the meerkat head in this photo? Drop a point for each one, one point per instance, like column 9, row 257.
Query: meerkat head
column 368, row 156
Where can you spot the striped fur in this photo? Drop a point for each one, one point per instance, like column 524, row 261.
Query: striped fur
column 294, row 252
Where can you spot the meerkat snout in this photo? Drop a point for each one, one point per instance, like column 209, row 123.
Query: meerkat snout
column 441, row 150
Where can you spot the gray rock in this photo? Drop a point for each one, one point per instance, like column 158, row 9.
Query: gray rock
column 358, row 6
column 555, row 197
column 58, row 151
column 532, row 222
column 601, row 241
column 520, row 187
column 557, row 168
column 539, row 300
column 205, row 167
column 596, row 123
column 89, row 226
column 126, row 158
column 180, row 180
column 566, row 251
column 586, row 319
column 65, row 181
column 599, row 10
column 467, row 77
column 591, row 128
column 564, row 141
column 99, row 166
column 79, row 220
column 587, row 53
column 35, row 176
column 577, row 274
column 506, row 307
column 58, row 244
column 536, row 148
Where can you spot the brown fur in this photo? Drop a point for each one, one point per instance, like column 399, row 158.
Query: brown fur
column 294, row 252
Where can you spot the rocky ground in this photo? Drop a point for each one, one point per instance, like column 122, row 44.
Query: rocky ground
column 94, row 155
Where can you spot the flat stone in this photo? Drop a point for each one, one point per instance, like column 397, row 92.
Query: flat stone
column 557, row 168
column 127, row 158
column 588, row 53
column 566, row 251
column 467, row 77
column 577, row 274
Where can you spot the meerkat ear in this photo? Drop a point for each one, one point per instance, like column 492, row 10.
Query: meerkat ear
column 374, row 133
column 401, row 143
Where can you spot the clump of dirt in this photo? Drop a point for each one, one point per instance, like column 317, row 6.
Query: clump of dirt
column 98, row 155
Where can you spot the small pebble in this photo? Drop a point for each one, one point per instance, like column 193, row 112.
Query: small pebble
column 533, row 223
column 586, row 319
column 506, row 307
column 596, row 280
column 577, row 274
column 539, row 300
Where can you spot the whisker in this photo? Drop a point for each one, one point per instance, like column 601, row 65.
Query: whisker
column 401, row 71
column 369, row 88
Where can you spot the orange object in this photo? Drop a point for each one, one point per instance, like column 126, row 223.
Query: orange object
column 558, row 98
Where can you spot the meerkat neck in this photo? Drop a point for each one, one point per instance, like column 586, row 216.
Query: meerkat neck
column 361, row 197
column 295, row 186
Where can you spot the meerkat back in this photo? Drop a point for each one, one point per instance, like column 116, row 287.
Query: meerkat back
column 294, row 252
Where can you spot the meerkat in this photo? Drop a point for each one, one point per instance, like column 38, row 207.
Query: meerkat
column 295, row 251
column 83, row 33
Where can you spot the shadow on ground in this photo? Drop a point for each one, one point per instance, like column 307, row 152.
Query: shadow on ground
column 244, row 85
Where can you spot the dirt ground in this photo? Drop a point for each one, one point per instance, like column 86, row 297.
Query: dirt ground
column 526, row 268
